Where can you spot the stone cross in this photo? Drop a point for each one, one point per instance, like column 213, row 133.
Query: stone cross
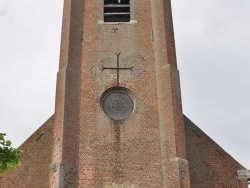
column 117, row 68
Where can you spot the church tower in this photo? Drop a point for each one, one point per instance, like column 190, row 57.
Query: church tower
column 118, row 118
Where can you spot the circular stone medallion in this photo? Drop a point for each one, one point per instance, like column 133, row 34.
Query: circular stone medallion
column 117, row 104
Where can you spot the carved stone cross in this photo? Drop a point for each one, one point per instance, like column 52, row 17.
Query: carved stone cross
column 117, row 68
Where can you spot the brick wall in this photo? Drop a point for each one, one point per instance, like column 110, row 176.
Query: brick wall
column 209, row 165
column 148, row 148
column 36, row 159
column 142, row 149
column 145, row 150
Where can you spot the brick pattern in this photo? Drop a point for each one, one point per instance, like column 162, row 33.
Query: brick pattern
column 64, row 171
column 101, row 150
column 36, row 159
column 130, row 150
column 147, row 149
column 210, row 166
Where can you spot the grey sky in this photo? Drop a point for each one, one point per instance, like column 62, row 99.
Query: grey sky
column 212, row 42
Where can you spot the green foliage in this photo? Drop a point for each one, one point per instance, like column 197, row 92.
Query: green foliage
column 9, row 157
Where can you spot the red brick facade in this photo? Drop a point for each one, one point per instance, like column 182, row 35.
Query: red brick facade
column 90, row 149
column 36, row 159
column 146, row 149
column 209, row 164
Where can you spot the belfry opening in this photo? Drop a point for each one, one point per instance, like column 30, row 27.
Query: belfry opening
column 116, row 10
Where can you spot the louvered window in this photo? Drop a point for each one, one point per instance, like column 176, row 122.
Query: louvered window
column 116, row 11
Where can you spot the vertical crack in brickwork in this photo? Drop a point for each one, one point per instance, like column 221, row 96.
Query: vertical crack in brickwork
column 118, row 167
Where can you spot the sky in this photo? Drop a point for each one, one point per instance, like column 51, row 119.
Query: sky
column 213, row 53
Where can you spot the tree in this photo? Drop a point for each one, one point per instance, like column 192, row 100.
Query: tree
column 9, row 157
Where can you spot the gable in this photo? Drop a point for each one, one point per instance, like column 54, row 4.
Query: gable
column 209, row 165
column 36, row 159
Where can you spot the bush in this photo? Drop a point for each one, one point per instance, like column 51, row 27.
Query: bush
column 9, row 157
